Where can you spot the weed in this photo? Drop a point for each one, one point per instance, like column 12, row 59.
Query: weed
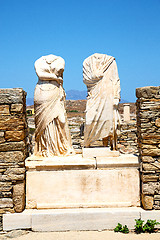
column 139, row 226
column 120, row 228
column 149, row 226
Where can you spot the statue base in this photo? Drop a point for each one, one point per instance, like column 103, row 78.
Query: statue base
column 77, row 182
column 93, row 152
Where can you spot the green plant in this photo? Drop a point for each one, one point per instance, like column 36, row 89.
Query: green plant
column 149, row 226
column 73, row 111
column 125, row 229
column 139, row 226
column 120, row 228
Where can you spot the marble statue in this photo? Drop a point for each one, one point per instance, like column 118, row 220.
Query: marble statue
column 52, row 136
column 102, row 119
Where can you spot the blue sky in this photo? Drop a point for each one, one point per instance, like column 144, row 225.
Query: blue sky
column 129, row 30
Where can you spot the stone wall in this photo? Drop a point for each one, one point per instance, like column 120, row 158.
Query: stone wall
column 13, row 150
column 127, row 140
column 148, row 130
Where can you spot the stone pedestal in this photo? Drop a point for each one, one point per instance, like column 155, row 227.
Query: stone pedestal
column 94, row 152
column 76, row 182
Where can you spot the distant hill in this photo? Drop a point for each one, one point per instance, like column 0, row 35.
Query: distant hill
column 29, row 101
column 72, row 95
column 75, row 95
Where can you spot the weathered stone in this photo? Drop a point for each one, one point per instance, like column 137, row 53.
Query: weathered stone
column 6, row 203
column 14, row 135
column 17, row 108
column 1, row 134
column 147, row 92
column 150, row 141
column 151, row 152
column 149, row 188
column 157, row 122
column 9, row 123
column 19, row 197
column 6, row 186
column 150, row 136
column 13, row 157
column 156, row 197
column 14, row 95
column 149, row 178
column 147, row 202
column 2, row 140
column 150, row 167
column 16, row 173
column 147, row 159
column 11, row 146
column 4, row 109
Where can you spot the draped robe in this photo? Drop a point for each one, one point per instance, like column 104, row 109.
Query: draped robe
column 101, row 78
column 52, row 137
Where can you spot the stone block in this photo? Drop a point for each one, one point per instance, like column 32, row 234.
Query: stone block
column 149, row 167
column 12, row 157
column 4, row 109
column 157, row 122
column 14, row 136
column 147, row 159
column 123, row 161
column 16, row 173
column 147, row 92
column 8, row 123
column 13, row 95
column 83, row 219
column 99, row 152
column 19, row 196
column 74, row 162
column 1, row 134
column 82, row 188
column 149, row 188
column 16, row 221
column 2, row 140
column 12, row 146
column 17, row 108
column 151, row 152
column 156, row 197
column 6, row 203
column 149, row 178
column 153, row 215
column 147, row 202
column 71, row 219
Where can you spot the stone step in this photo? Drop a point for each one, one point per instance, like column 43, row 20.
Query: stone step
column 76, row 219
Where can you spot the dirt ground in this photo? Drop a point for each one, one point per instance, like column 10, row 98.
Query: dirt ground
column 78, row 235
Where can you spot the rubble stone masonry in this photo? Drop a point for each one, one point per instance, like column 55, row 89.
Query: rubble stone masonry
column 148, row 131
column 13, row 150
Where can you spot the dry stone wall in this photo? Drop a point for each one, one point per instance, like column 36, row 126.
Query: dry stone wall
column 127, row 139
column 148, row 130
column 13, row 150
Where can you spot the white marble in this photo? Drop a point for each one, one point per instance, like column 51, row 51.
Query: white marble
column 52, row 136
column 73, row 219
column 93, row 183
column 102, row 119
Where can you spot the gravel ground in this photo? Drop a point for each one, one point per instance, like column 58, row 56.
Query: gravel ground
column 77, row 235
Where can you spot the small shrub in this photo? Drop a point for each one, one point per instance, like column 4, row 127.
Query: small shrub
column 139, row 226
column 120, row 228
column 149, row 226
column 125, row 229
